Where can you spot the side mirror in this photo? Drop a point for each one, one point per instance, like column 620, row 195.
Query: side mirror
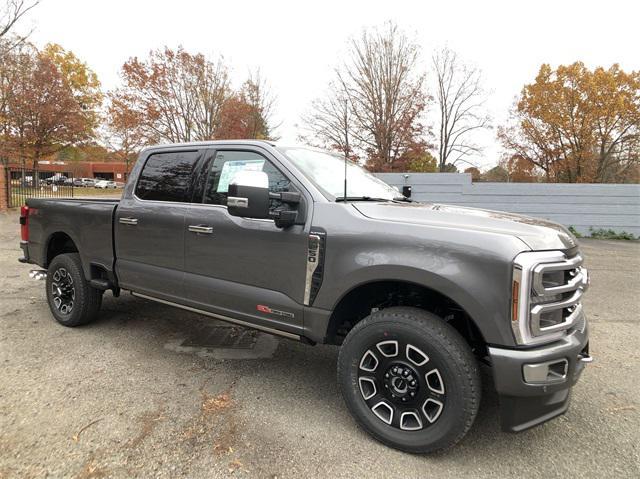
column 406, row 191
column 248, row 195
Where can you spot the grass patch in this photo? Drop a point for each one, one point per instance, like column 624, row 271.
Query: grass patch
column 605, row 234
column 97, row 192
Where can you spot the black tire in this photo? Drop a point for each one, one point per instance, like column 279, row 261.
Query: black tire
column 72, row 300
column 413, row 334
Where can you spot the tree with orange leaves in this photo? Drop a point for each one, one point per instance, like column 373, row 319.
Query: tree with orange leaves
column 178, row 96
column 125, row 133
column 520, row 170
column 247, row 113
column 578, row 125
column 82, row 81
column 40, row 112
column 475, row 173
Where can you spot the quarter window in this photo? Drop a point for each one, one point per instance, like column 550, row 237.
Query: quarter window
column 167, row 176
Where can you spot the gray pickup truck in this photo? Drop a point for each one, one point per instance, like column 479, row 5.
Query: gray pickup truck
column 417, row 295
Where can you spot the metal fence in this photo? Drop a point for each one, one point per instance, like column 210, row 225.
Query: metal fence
column 23, row 184
column 583, row 206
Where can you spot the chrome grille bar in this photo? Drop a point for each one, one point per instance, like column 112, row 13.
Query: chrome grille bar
column 576, row 285
column 574, row 264
column 538, row 310
column 550, row 289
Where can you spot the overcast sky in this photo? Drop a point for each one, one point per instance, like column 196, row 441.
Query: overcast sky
column 296, row 44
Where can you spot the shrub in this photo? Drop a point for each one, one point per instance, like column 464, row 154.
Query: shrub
column 575, row 232
column 610, row 234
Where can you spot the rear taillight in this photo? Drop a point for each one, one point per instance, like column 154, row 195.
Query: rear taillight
column 24, row 223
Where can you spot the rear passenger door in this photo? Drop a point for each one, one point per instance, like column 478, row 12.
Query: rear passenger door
column 150, row 225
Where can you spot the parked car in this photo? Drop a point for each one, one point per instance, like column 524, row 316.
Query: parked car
column 86, row 182
column 416, row 295
column 56, row 180
column 105, row 184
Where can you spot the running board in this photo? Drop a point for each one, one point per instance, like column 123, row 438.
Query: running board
column 223, row 318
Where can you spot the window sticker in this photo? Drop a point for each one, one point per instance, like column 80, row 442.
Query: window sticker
column 230, row 168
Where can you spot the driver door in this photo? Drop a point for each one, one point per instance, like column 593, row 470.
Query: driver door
column 243, row 268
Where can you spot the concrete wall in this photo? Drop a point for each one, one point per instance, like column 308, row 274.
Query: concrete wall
column 583, row 206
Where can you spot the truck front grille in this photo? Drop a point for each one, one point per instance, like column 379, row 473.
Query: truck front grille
column 556, row 295
column 549, row 289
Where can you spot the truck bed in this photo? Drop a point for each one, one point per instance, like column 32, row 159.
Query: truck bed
column 88, row 222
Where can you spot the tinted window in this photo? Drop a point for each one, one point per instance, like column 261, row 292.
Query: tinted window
column 227, row 163
column 167, row 176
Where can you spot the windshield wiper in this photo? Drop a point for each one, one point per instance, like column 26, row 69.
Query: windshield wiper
column 373, row 198
column 361, row 198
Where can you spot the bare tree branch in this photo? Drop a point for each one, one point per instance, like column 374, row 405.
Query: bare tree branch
column 261, row 101
column 331, row 121
column 375, row 105
column 11, row 14
column 461, row 100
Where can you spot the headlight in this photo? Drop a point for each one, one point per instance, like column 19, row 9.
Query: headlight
column 546, row 295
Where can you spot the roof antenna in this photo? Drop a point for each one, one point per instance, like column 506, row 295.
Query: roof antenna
column 346, row 149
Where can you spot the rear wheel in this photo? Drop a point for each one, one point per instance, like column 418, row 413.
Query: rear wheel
column 71, row 298
column 409, row 379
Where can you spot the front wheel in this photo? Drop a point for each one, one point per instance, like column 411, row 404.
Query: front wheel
column 409, row 379
column 71, row 298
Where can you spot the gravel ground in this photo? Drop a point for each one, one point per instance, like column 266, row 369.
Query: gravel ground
column 133, row 395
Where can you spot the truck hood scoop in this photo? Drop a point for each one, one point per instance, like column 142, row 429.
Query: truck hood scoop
column 538, row 234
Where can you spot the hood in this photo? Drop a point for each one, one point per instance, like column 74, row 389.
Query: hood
column 538, row 234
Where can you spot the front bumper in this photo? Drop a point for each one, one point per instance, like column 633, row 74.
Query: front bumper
column 526, row 404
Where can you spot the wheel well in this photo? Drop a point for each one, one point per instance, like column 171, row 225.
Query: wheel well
column 363, row 300
column 60, row 243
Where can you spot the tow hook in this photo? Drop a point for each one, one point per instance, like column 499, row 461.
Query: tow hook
column 38, row 274
column 585, row 358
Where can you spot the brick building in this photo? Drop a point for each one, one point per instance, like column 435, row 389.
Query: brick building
column 106, row 170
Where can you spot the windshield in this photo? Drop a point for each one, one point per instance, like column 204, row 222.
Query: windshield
column 326, row 171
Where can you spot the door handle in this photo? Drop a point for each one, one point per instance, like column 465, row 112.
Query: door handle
column 128, row 221
column 201, row 229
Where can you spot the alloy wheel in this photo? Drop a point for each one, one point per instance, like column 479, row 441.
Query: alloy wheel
column 401, row 385
column 63, row 291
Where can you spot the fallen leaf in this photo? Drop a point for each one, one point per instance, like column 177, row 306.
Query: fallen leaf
column 217, row 403
column 235, row 465
column 622, row 408
column 76, row 436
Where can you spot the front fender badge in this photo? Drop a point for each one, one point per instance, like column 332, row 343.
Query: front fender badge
column 267, row 310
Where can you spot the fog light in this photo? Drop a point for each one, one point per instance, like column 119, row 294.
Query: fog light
column 548, row 372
